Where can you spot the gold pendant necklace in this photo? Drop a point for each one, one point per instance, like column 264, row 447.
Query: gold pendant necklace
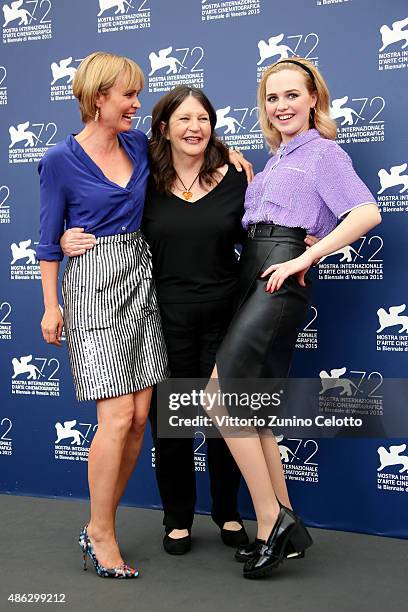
column 187, row 194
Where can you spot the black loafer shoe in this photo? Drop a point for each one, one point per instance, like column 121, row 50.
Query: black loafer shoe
column 235, row 538
column 287, row 535
column 244, row 553
column 179, row 546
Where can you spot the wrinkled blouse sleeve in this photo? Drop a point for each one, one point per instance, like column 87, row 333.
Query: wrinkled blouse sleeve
column 52, row 212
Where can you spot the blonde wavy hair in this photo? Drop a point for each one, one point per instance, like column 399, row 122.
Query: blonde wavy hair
column 321, row 118
column 97, row 73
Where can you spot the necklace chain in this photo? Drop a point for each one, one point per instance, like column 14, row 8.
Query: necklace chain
column 187, row 193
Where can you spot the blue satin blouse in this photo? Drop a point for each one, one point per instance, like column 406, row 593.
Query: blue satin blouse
column 74, row 192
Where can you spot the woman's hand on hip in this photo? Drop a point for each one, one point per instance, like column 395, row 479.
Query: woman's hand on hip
column 75, row 241
column 52, row 324
column 279, row 272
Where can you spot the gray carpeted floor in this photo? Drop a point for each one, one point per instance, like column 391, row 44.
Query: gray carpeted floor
column 341, row 572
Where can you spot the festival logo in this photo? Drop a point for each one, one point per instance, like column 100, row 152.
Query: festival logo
column 307, row 338
column 239, row 127
column 393, row 53
column 24, row 265
column 392, row 318
column 361, row 261
column 334, row 381
column 27, row 21
column 397, row 340
column 123, row 15
column 6, row 441
column 299, row 459
column 359, row 119
column 3, row 86
column 228, row 9
column 396, row 479
column 283, row 46
column 35, row 376
column 4, row 204
column 63, row 73
column 199, row 454
column 143, row 123
column 395, row 179
column 357, row 393
column 34, row 139
column 170, row 67
column 73, row 440
column 5, row 321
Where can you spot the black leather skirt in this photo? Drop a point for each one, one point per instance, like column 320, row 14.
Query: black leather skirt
column 261, row 338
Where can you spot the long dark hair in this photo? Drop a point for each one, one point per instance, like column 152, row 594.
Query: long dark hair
column 216, row 153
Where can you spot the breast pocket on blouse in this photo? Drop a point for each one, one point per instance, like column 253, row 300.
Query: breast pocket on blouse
column 285, row 186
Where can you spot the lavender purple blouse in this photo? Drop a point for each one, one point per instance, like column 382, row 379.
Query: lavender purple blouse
column 310, row 182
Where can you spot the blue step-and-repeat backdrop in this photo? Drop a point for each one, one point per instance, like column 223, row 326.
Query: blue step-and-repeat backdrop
column 358, row 325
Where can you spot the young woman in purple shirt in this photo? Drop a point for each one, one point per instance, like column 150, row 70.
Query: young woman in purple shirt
column 306, row 187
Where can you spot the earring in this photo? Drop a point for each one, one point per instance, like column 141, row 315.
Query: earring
column 96, row 119
column 312, row 115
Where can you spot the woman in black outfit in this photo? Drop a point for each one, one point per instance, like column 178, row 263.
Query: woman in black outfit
column 191, row 221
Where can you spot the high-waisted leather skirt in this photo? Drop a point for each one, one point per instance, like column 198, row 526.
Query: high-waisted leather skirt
column 261, row 338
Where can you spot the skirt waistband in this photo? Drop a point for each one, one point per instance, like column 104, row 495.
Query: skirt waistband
column 119, row 237
column 266, row 230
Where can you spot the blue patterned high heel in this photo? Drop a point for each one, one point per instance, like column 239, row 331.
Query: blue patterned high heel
column 124, row 571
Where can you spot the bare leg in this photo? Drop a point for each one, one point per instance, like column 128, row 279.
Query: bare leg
column 273, row 461
column 105, row 455
column 248, row 453
column 134, row 441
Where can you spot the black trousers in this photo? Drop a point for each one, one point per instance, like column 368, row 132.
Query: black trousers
column 261, row 338
column 193, row 333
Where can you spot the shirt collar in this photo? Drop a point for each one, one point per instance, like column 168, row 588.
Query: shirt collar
column 77, row 149
column 298, row 141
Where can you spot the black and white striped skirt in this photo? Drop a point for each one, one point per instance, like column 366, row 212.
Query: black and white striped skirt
column 111, row 319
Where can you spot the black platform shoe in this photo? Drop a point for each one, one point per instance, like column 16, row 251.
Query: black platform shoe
column 179, row 546
column 288, row 534
column 244, row 553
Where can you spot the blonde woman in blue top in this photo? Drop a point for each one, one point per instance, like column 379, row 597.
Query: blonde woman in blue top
column 97, row 180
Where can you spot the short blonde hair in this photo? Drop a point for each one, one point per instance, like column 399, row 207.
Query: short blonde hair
column 97, row 73
column 321, row 119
